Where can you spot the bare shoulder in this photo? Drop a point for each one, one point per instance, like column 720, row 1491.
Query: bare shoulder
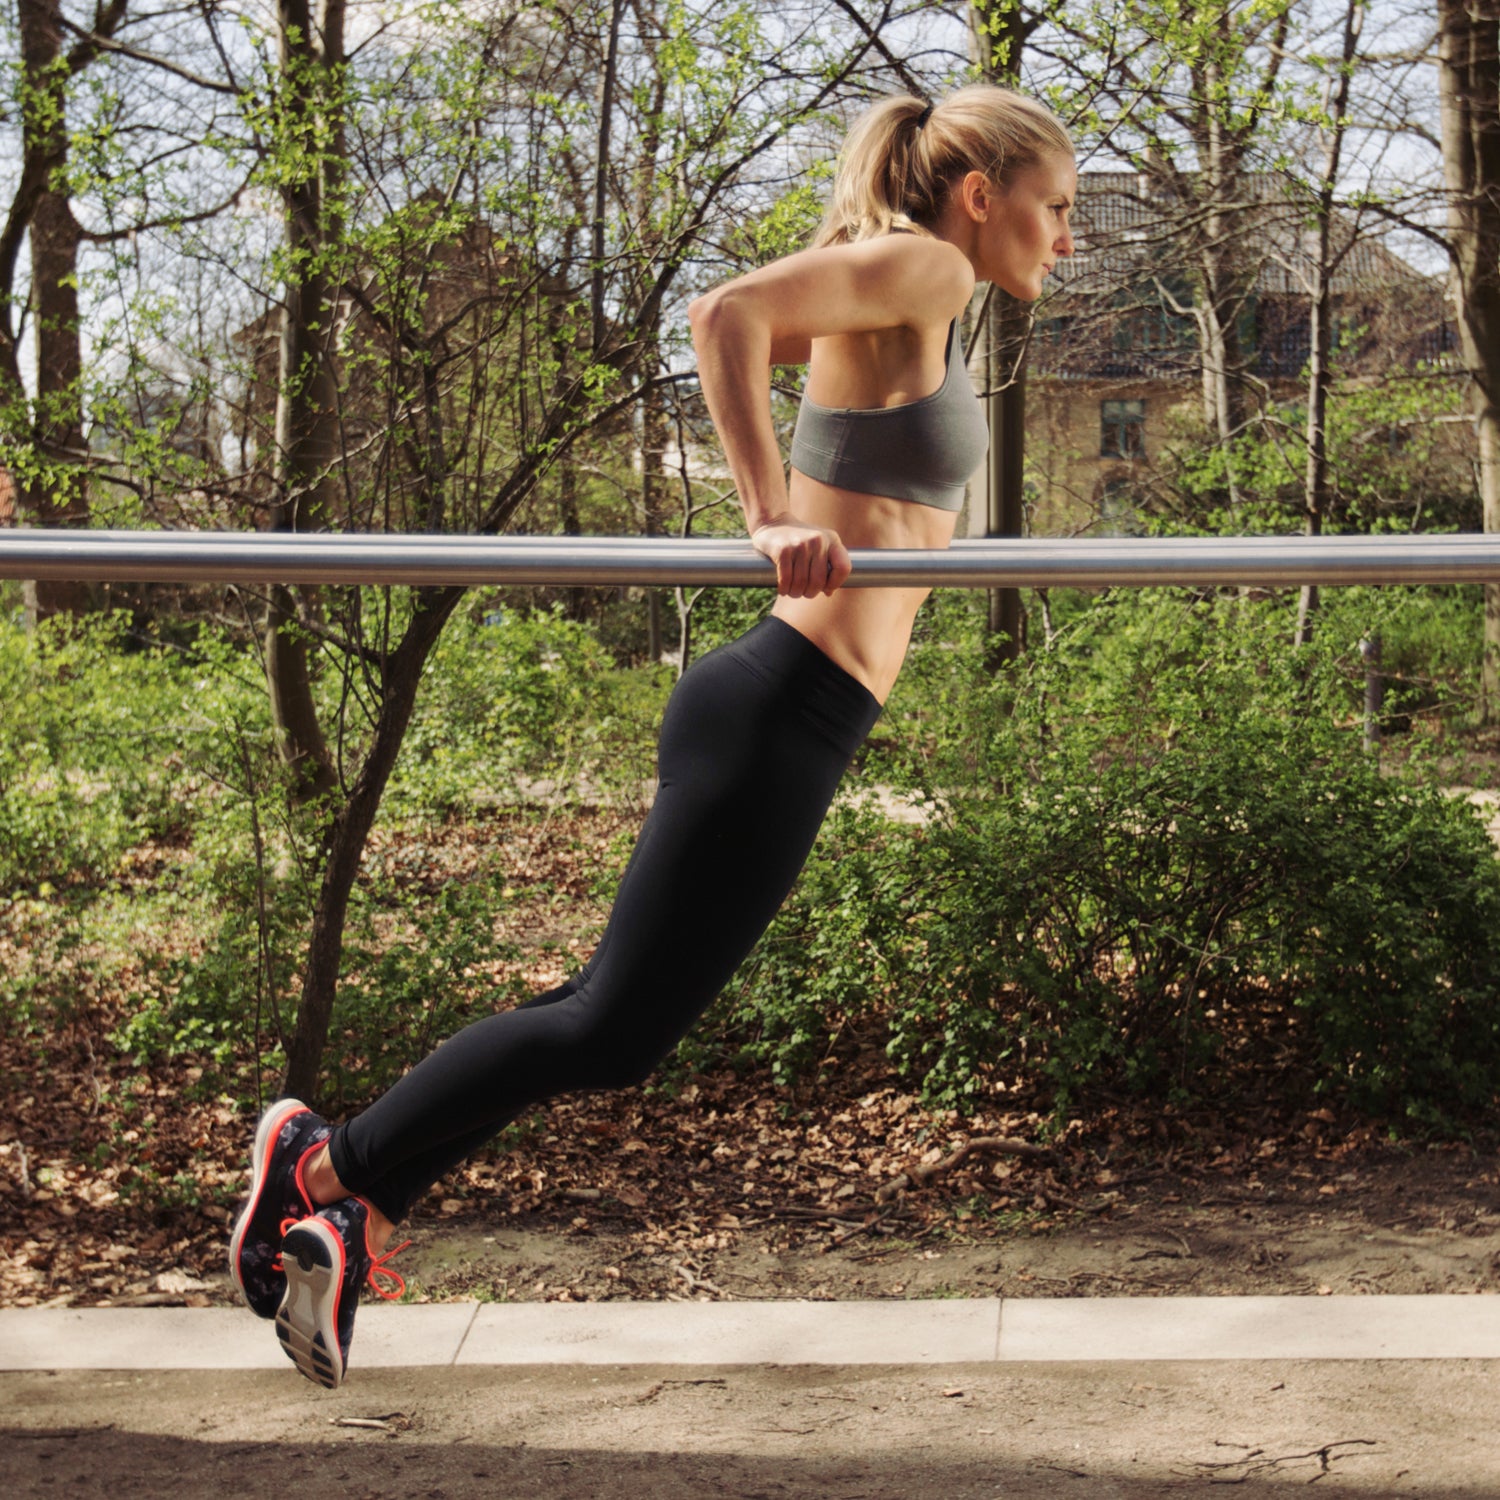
column 892, row 281
column 927, row 279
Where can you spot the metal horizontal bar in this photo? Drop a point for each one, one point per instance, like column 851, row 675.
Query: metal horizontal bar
column 258, row 557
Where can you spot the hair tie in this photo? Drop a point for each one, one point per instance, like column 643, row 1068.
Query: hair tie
column 924, row 117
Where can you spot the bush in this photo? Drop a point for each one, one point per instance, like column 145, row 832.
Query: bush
column 510, row 700
column 1139, row 864
column 417, row 968
column 86, row 744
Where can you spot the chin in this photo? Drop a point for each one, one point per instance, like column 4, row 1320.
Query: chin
column 1023, row 291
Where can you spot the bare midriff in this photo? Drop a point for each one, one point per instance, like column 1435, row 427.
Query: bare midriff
column 865, row 630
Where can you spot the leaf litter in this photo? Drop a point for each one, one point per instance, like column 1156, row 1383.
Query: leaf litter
column 118, row 1184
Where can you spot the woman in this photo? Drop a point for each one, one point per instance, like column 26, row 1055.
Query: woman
column 928, row 200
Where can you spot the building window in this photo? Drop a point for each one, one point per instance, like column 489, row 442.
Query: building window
column 1118, row 513
column 1122, row 429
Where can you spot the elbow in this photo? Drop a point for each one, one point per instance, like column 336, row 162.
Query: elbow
column 705, row 317
column 722, row 319
column 701, row 307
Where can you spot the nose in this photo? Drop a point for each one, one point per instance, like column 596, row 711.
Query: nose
column 1064, row 245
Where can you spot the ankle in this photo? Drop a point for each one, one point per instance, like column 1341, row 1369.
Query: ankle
column 323, row 1187
column 322, row 1182
column 378, row 1229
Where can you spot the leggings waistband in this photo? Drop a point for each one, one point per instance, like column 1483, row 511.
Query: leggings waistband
column 840, row 705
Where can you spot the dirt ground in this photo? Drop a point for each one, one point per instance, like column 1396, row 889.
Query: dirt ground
column 1425, row 1222
column 1387, row 1220
column 649, row 1198
column 1385, row 1431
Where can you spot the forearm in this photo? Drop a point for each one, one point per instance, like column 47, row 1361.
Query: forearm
column 734, row 370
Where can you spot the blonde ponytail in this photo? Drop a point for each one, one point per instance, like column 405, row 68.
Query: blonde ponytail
column 904, row 155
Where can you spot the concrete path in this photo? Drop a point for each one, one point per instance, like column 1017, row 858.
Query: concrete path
column 939, row 1332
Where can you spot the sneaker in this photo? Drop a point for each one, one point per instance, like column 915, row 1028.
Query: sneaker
column 328, row 1259
column 286, row 1139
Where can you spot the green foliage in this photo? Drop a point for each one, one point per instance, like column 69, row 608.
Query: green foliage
column 87, row 748
column 795, row 216
column 1152, row 846
column 1157, row 844
column 419, row 966
column 225, row 986
column 1392, row 465
column 508, row 706
column 510, row 699
column 826, row 961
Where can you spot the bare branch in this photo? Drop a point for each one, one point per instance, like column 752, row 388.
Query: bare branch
column 95, row 42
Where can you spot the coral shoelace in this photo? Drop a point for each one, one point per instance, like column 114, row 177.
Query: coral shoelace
column 378, row 1268
column 278, row 1264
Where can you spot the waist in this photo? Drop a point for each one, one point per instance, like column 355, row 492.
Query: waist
column 866, row 630
column 868, row 520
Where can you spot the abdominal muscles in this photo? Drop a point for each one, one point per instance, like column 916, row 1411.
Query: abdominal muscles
column 865, row 630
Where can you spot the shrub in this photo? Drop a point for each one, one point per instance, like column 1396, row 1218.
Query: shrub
column 1110, row 895
column 86, row 744
column 509, row 700
column 419, row 966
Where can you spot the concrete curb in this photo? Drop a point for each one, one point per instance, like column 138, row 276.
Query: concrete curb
column 980, row 1331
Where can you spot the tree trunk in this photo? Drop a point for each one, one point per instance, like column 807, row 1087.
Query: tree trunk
column 999, row 31
column 1320, row 318
column 61, row 499
column 1226, row 284
column 1006, row 477
column 601, row 178
column 654, row 435
column 1469, row 91
column 58, row 496
column 400, row 680
column 307, row 436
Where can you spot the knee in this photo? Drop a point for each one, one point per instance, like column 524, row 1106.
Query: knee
column 596, row 1046
column 618, row 1066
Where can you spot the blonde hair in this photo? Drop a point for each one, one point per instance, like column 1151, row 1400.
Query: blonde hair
column 903, row 157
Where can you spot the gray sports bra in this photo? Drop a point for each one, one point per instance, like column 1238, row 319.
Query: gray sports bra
column 923, row 450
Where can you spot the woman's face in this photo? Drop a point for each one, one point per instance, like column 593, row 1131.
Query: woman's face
column 1025, row 226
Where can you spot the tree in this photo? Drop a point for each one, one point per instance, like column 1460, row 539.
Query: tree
column 1000, row 29
column 43, row 438
column 1333, row 129
column 484, row 388
column 1187, row 95
column 1469, row 91
column 308, row 152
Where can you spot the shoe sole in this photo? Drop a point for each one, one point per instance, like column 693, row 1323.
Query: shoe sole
column 307, row 1323
column 260, row 1161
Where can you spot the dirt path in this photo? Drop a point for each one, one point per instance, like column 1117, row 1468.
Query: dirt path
column 1126, row 1432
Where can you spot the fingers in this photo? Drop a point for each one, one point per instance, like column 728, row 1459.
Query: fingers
column 840, row 566
column 809, row 560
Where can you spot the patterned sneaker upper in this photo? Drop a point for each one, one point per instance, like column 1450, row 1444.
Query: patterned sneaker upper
column 288, row 1136
column 328, row 1261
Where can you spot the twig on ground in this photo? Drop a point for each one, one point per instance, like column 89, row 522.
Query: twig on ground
column 697, row 1283
column 920, row 1174
column 661, row 1385
column 1255, row 1461
column 871, row 1222
column 392, row 1422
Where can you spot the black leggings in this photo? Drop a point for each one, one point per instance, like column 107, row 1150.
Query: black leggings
column 753, row 744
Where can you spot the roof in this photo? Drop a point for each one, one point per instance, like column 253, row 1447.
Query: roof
column 1122, row 308
column 1126, row 225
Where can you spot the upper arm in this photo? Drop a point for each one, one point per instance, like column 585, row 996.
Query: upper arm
column 890, row 282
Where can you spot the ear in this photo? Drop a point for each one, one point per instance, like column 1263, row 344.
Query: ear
column 974, row 193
